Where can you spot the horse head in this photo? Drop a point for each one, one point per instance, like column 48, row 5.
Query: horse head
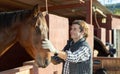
column 43, row 57
column 31, row 34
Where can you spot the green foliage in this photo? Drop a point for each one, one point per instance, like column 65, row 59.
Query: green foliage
column 115, row 8
column 116, row 11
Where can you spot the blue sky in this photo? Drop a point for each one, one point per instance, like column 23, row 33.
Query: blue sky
column 109, row 1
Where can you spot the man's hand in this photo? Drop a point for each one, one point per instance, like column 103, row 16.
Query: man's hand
column 46, row 44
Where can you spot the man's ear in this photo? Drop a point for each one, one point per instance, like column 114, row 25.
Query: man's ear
column 82, row 32
column 36, row 10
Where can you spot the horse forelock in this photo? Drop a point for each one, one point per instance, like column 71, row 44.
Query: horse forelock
column 42, row 24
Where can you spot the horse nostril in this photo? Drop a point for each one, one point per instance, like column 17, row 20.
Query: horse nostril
column 42, row 62
column 46, row 62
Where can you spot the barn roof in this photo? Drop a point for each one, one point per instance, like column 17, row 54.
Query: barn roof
column 67, row 8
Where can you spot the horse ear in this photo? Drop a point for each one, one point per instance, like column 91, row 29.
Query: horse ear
column 36, row 10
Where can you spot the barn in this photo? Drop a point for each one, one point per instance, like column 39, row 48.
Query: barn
column 60, row 15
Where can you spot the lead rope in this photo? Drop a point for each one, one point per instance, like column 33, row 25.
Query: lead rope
column 46, row 6
column 46, row 16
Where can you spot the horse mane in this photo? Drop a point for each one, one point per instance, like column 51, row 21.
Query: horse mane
column 7, row 18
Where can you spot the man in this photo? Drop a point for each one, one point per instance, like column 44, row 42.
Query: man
column 77, row 53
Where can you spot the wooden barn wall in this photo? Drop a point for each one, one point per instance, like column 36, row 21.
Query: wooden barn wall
column 115, row 23
column 110, row 64
column 106, row 25
column 116, row 34
column 90, row 39
column 58, row 30
column 109, row 36
column 101, row 33
column 103, row 30
column 116, row 41
column 19, row 70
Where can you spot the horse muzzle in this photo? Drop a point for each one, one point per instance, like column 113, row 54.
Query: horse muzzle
column 42, row 62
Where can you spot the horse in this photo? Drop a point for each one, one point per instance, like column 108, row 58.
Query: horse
column 100, row 47
column 29, row 28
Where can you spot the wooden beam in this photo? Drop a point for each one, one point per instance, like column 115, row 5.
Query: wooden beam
column 4, row 9
column 57, row 7
column 89, row 12
column 21, row 4
column 14, row 4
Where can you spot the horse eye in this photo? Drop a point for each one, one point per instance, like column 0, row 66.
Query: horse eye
column 34, row 18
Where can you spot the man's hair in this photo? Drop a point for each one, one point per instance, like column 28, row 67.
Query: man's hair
column 83, row 26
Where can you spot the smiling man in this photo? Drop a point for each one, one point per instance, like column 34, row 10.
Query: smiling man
column 77, row 53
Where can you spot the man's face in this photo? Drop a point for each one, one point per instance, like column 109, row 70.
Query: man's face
column 75, row 31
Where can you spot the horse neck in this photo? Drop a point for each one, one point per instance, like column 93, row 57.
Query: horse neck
column 7, row 38
column 9, row 29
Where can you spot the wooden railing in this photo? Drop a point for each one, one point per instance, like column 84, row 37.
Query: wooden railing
column 112, row 65
column 30, row 68
column 20, row 70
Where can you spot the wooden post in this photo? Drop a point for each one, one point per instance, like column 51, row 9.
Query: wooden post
column 89, row 11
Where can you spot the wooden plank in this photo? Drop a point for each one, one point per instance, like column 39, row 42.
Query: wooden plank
column 110, row 64
column 57, row 7
column 20, row 70
column 13, row 5
column 89, row 12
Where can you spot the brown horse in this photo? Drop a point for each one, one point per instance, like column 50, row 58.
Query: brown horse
column 29, row 28
column 100, row 47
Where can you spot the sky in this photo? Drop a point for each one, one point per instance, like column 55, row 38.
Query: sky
column 109, row 1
